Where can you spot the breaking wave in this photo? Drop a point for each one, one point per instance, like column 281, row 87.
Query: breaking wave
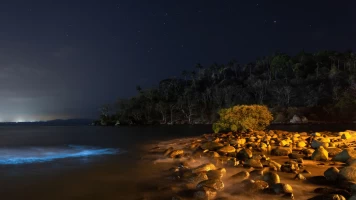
column 25, row 155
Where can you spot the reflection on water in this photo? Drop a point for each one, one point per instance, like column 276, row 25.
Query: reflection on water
column 12, row 156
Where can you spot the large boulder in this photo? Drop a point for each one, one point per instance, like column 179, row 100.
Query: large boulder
column 274, row 165
column 241, row 141
column 216, row 174
column 301, row 144
column 271, row 178
column 282, row 188
column 205, row 193
column 348, row 173
column 320, row 142
column 333, row 151
column 176, row 153
column 281, row 151
column 240, row 176
column 320, row 154
column 290, row 167
column 345, row 155
column 255, row 186
column 204, row 168
column 295, row 119
column 194, row 177
column 253, row 162
column 215, row 184
column 212, row 146
column 227, row 149
column 345, row 135
column 244, row 154
column 332, row 174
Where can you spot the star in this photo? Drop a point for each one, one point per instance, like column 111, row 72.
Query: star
column 166, row 14
column 275, row 21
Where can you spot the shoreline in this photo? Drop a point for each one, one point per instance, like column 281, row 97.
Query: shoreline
column 175, row 179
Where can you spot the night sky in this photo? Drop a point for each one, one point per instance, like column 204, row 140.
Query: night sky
column 63, row 59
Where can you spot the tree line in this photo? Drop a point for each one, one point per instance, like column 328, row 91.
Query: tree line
column 320, row 86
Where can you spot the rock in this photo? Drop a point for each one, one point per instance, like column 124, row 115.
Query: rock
column 295, row 119
column 255, row 186
column 317, row 143
column 300, row 160
column 320, row 154
column 290, row 166
column 333, row 151
column 329, row 197
column 240, row 176
column 345, row 155
column 212, row 146
column 295, row 156
column 345, row 135
column 215, row 184
column 213, row 154
column 216, row 174
column 299, row 177
column 271, row 178
column 301, row 144
column 232, row 162
column 308, row 152
column 274, row 164
column 285, row 143
column 194, row 177
column 168, row 151
column 351, row 162
column 331, row 174
column 204, row 168
column 304, row 119
column 176, row 153
column 316, row 134
column 255, row 163
column 256, row 174
column 281, row 151
column 244, row 154
column 227, row 149
column 241, row 141
column 205, row 194
column 282, row 188
column 348, row 173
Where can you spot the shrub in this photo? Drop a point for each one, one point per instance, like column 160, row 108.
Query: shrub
column 243, row 118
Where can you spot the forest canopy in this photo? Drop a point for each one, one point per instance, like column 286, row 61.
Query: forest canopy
column 319, row 86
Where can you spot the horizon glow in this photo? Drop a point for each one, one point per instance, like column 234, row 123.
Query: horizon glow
column 15, row 156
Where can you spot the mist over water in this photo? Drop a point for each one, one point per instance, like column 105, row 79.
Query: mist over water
column 25, row 155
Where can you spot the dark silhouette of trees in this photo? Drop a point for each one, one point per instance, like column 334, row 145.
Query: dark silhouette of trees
column 320, row 86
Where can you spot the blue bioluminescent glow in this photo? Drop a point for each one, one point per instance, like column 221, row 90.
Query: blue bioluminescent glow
column 12, row 156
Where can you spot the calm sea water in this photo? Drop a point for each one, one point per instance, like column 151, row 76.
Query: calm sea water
column 84, row 162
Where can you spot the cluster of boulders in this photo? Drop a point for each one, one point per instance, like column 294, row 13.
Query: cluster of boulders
column 255, row 154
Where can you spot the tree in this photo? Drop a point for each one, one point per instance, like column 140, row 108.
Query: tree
column 243, row 118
